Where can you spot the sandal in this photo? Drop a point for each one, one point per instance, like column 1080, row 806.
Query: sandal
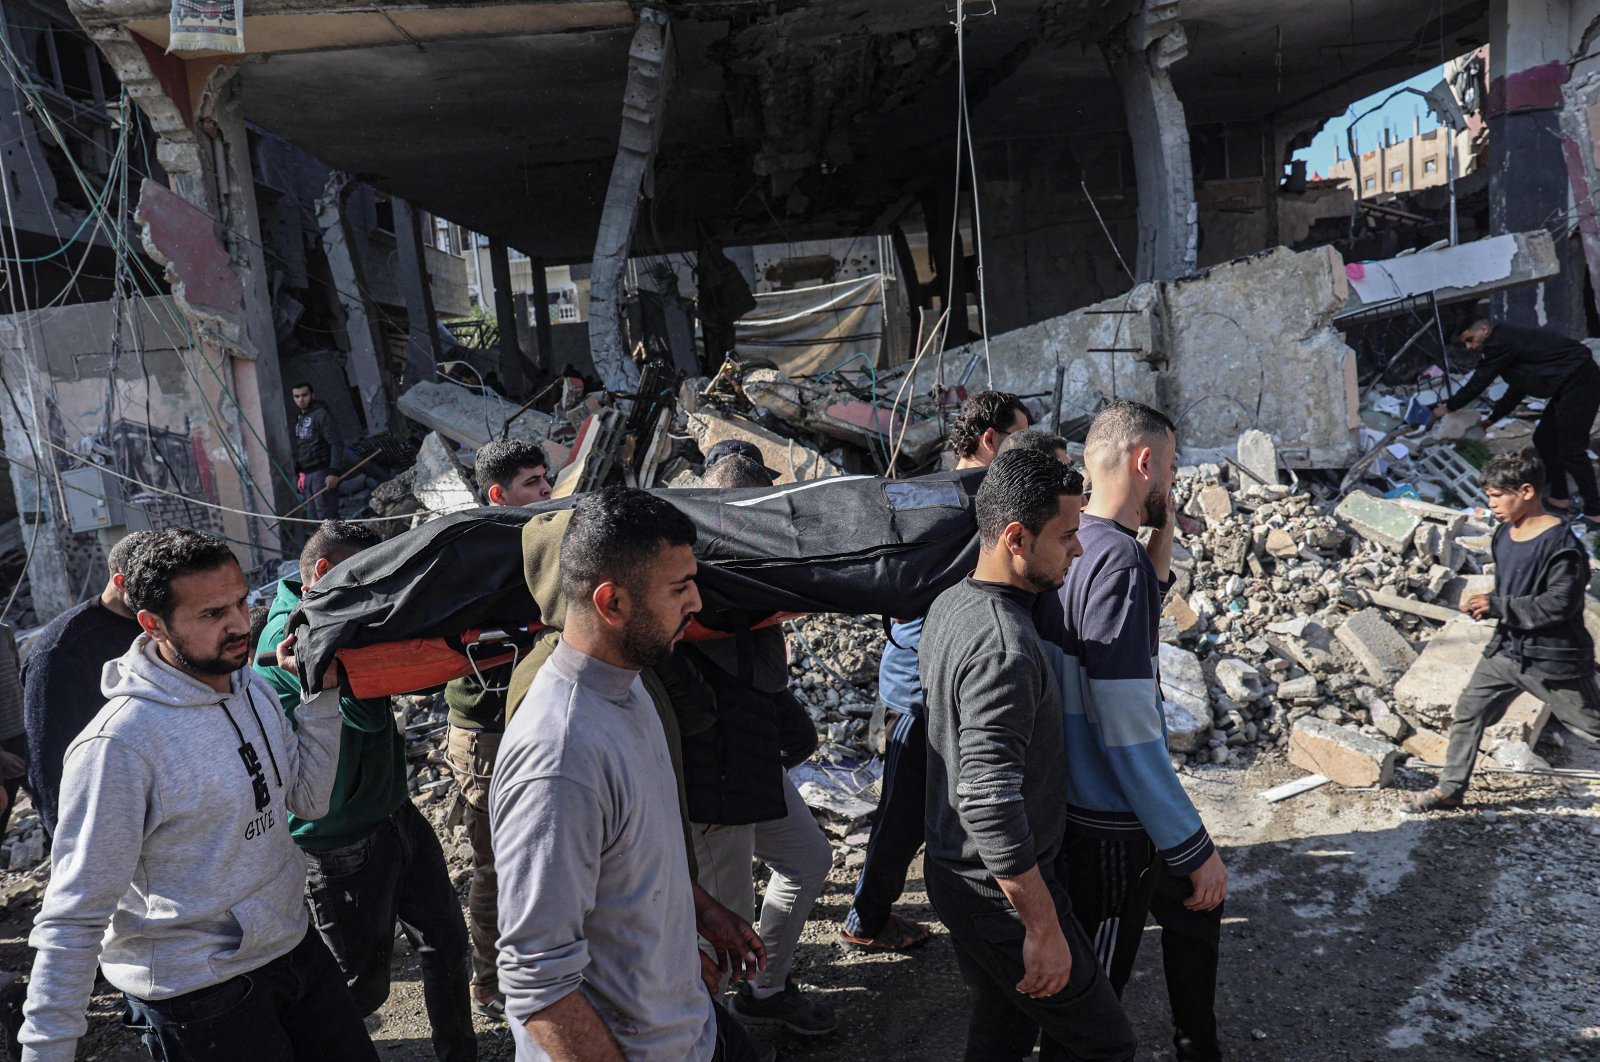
column 1430, row 800
column 899, row 934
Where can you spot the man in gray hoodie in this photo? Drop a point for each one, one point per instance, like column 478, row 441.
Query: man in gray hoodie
column 173, row 832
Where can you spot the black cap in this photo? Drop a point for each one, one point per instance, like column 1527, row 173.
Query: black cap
column 740, row 448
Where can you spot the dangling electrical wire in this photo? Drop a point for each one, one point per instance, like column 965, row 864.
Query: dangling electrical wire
column 964, row 147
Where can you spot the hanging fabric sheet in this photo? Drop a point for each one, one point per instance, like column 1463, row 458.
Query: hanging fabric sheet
column 207, row 26
column 808, row 330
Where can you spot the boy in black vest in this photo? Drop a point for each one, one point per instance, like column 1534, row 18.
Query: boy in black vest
column 1541, row 646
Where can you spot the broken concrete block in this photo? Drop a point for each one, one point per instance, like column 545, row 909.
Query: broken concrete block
column 794, row 462
column 1391, row 726
column 1429, row 746
column 1347, row 756
column 1472, row 586
column 1183, row 680
column 774, row 390
column 1381, row 649
column 1437, row 677
column 1524, row 721
column 1179, row 617
column 1519, row 756
column 1258, row 455
column 1239, row 679
column 1188, row 730
column 1377, row 520
column 1281, row 544
column 1304, row 688
column 1214, row 503
column 470, row 418
column 1231, row 553
column 438, row 480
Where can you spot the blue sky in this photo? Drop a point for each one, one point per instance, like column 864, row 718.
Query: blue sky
column 1369, row 131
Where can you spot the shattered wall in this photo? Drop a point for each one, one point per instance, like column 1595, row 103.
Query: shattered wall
column 81, row 385
column 1246, row 344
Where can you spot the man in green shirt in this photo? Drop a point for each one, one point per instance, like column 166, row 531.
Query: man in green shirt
column 509, row 472
column 373, row 860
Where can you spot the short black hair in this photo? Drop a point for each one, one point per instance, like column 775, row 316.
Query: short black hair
column 117, row 560
column 258, row 623
column 164, row 557
column 334, row 541
column 614, row 535
column 498, row 462
column 301, row 384
column 1045, row 442
column 1024, row 487
column 1474, row 323
column 734, row 472
column 1510, row 471
column 1122, row 426
column 984, row 410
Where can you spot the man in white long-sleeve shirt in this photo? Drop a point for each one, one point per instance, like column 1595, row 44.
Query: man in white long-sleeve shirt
column 173, row 831
column 598, row 960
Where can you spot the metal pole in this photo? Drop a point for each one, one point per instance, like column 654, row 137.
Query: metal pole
column 1450, row 162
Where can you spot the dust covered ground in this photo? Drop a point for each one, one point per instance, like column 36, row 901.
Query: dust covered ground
column 1352, row 932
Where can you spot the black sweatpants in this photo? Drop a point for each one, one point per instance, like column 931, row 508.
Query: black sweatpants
column 1494, row 685
column 1562, row 438
column 1082, row 1021
column 898, row 833
column 1114, row 885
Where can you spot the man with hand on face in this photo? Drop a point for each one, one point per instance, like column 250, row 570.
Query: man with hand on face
column 1131, row 829
column 174, row 833
column 997, row 784
column 598, row 954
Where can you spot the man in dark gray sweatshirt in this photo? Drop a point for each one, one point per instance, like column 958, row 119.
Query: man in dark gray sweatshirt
column 173, row 865
column 997, row 791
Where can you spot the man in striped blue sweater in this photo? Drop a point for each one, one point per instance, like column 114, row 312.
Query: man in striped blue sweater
column 1135, row 844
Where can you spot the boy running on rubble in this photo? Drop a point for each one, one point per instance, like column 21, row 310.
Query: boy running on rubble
column 1541, row 646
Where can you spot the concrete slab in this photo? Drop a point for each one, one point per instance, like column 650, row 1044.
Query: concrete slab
column 1382, row 651
column 1437, row 677
column 1347, row 756
column 468, row 417
column 1388, row 524
column 794, row 462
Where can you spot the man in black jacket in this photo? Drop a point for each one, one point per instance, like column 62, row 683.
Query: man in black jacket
column 1539, row 363
column 61, row 677
column 318, row 454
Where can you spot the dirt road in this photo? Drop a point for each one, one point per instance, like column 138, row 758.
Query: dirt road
column 1352, row 932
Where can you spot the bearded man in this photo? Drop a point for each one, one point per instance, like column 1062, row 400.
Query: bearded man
column 598, row 955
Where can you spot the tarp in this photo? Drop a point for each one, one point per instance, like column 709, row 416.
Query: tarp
column 806, row 331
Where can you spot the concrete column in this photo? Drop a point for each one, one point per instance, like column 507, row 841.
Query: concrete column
column 349, row 283
column 1528, row 52
column 505, row 312
column 422, row 335
column 545, row 356
column 644, row 105
column 1140, row 54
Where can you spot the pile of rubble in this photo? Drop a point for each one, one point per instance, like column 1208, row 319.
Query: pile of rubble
column 1333, row 630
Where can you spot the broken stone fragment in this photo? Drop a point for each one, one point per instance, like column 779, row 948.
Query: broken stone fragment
column 1429, row 746
column 1304, row 688
column 1346, row 756
column 1281, row 544
column 1439, row 675
column 1239, row 680
column 1258, row 455
column 1381, row 649
column 1377, row 520
column 1215, row 504
column 1181, row 617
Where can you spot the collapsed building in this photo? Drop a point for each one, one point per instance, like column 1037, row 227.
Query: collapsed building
column 1072, row 201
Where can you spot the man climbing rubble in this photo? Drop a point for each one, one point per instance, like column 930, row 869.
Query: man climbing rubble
column 1541, row 645
column 1539, row 363
column 318, row 453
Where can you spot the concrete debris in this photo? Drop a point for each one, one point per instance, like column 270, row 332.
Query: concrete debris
column 1342, row 754
column 1439, row 675
column 1381, row 649
column 1388, row 524
column 471, row 418
column 1258, row 456
column 438, row 481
